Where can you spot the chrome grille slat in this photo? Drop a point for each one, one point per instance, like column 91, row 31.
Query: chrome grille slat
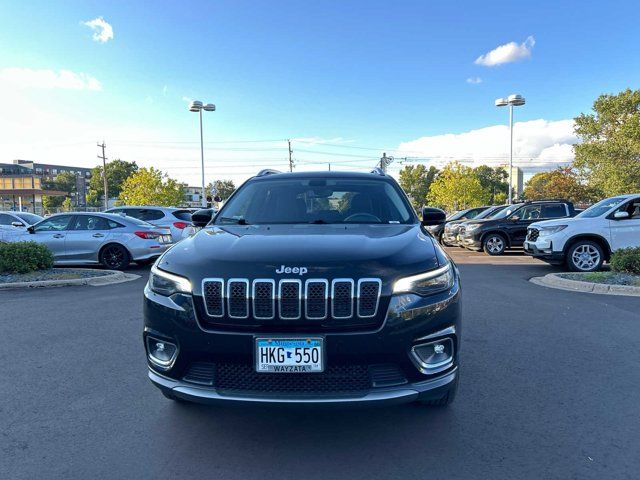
column 368, row 297
column 316, row 296
column 264, row 298
column 338, row 299
column 342, row 298
column 213, row 291
column 290, row 299
column 238, row 297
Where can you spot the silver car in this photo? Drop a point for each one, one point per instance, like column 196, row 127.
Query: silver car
column 99, row 238
column 176, row 219
column 16, row 223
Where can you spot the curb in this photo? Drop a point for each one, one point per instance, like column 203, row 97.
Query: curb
column 113, row 277
column 552, row 280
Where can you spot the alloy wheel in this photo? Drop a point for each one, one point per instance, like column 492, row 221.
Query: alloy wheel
column 495, row 244
column 586, row 257
column 114, row 257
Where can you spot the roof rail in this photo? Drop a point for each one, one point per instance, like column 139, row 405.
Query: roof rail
column 267, row 171
column 378, row 171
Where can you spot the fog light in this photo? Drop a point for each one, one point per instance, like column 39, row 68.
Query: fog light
column 433, row 357
column 161, row 352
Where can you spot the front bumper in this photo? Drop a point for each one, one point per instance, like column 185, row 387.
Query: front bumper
column 543, row 250
column 433, row 389
column 472, row 241
column 410, row 320
column 450, row 238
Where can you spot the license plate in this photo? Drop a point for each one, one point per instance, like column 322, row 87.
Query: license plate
column 289, row 355
column 165, row 238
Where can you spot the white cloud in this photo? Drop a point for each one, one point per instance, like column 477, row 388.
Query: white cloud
column 507, row 53
column 102, row 30
column 474, row 80
column 535, row 143
column 65, row 79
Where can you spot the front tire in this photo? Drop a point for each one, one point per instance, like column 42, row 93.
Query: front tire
column 494, row 244
column 114, row 257
column 585, row 256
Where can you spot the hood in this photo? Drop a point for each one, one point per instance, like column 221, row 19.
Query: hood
column 325, row 251
column 559, row 221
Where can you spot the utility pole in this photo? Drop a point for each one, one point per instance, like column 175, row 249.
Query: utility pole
column 104, row 174
column 290, row 158
column 385, row 162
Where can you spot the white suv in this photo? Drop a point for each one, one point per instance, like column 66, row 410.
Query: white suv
column 587, row 240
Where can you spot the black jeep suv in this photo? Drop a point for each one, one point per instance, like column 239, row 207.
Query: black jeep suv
column 307, row 288
column 508, row 228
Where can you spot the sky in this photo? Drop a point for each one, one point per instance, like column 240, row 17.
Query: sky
column 346, row 81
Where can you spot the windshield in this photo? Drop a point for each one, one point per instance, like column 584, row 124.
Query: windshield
column 30, row 218
column 601, row 207
column 489, row 212
column 310, row 200
column 507, row 211
column 457, row 215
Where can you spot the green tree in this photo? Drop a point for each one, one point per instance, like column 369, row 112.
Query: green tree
column 457, row 187
column 149, row 186
column 63, row 182
column 117, row 172
column 609, row 151
column 416, row 180
column 494, row 181
column 224, row 188
column 563, row 182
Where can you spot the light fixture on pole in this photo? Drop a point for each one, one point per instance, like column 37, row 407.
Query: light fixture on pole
column 512, row 101
column 197, row 106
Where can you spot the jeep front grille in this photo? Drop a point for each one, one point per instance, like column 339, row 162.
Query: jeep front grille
column 316, row 299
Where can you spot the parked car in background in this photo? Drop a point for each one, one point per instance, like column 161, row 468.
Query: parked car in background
column 508, row 228
column 99, row 238
column 452, row 228
column 466, row 214
column 15, row 223
column 589, row 239
column 176, row 219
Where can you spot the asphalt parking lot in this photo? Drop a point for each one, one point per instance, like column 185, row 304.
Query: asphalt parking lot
column 549, row 389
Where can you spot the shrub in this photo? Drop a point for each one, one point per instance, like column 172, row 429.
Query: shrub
column 24, row 257
column 626, row 260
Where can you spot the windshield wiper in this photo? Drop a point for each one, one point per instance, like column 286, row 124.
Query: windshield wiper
column 237, row 221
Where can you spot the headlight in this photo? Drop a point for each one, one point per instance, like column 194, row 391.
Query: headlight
column 472, row 226
column 546, row 231
column 426, row 283
column 165, row 283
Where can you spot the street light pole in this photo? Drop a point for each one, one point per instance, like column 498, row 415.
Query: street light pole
column 197, row 106
column 510, row 153
column 203, row 196
column 512, row 101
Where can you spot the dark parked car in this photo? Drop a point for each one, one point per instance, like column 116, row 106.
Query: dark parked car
column 508, row 228
column 452, row 229
column 307, row 288
column 467, row 214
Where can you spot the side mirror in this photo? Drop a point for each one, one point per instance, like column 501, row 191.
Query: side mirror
column 620, row 215
column 202, row 217
column 433, row 216
column 31, row 229
column 17, row 224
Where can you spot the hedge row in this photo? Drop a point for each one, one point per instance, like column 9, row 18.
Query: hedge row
column 24, row 257
column 626, row 260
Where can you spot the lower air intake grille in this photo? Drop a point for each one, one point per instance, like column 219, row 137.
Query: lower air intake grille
column 243, row 378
